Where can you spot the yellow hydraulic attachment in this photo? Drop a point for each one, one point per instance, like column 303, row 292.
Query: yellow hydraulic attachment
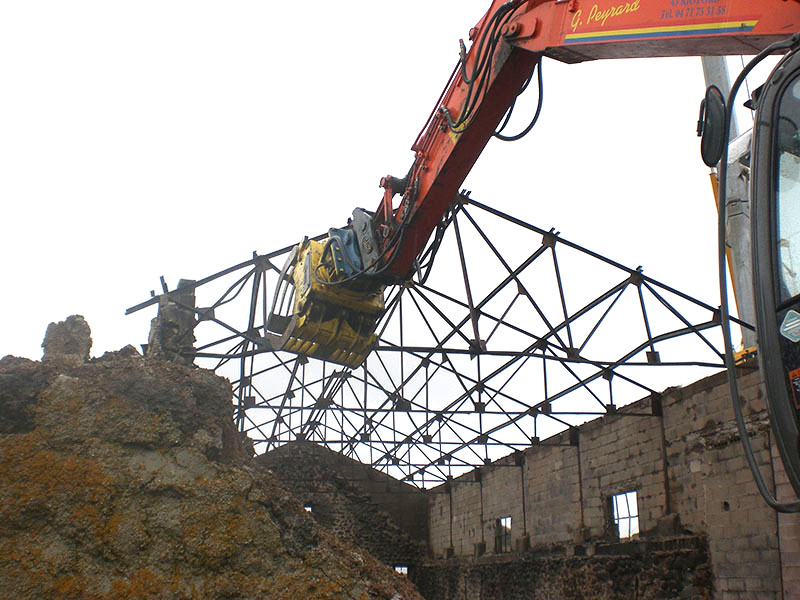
column 328, row 316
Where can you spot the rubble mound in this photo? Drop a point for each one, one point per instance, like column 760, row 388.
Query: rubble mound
column 124, row 477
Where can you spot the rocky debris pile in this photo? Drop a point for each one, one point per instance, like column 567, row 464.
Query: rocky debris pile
column 123, row 477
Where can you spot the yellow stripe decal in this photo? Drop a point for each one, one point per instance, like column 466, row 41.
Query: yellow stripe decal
column 668, row 31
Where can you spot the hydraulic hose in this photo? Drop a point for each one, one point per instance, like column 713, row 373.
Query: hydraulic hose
column 730, row 363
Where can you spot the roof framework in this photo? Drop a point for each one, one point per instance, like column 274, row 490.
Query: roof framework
column 511, row 335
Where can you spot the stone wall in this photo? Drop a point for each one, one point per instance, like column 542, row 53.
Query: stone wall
column 645, row 570
column 384, row 516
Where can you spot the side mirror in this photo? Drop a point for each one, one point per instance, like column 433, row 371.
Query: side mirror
column 711, row 126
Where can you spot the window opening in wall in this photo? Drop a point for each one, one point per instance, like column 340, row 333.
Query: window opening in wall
column 402, row 569
column 625, row 511
column 502, row 535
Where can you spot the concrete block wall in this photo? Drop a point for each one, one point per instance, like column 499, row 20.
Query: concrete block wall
column 467, row 518
column 440, row 521
column 687, row 466
column 712, row 488
column 498, row 484
column 481, row 498
column 621, row 454
column 788, row 533
column 559, row 492
column 552, row 492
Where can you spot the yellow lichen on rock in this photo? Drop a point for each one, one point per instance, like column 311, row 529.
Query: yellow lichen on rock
column 125, row 478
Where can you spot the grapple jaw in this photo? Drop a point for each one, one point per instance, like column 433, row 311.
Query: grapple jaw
column 321, row 309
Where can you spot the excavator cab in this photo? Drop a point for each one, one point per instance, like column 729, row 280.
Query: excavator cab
column 775, row 212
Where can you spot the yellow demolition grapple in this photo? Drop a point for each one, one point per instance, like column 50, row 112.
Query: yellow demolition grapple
column 321, row 310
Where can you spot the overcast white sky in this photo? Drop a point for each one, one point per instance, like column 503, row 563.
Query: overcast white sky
column 174, row 138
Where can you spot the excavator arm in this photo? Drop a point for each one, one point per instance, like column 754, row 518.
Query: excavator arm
column 331, row 296
column 507, row 45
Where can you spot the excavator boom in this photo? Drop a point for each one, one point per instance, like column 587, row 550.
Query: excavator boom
column 507, row 44
column 334, row 308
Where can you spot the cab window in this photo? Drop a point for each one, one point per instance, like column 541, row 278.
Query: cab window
column 788, row 190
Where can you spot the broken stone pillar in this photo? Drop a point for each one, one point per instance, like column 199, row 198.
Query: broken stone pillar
column 172, row 330
column 68, row 341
